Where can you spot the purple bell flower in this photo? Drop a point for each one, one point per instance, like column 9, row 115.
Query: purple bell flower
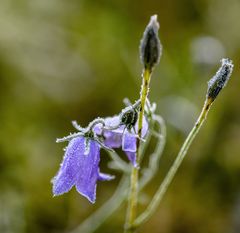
column 121, row 136
column 80, row 168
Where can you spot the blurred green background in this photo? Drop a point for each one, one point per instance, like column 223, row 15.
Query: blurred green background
column 76, row 60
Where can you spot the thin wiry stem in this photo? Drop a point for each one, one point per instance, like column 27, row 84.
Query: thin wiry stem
column 167, row 180
column 102, row 144
column 154, row 158
column 69, row 137
column 133, row 194
column 95, row 122
column 118, row 163
column 77, row 126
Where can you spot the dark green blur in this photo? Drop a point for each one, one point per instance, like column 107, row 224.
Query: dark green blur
column 76, row 60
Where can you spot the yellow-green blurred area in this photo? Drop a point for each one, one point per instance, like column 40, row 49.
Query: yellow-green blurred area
column 76, row 60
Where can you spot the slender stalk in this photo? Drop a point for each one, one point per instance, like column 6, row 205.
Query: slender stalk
column 155, row 157
column 133, row 194
column 169, row 177
column 117, row 163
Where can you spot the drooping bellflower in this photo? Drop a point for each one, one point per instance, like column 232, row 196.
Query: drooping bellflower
column 80, row 166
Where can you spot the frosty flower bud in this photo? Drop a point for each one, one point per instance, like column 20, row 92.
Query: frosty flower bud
column 220, row 79
column 150, row 46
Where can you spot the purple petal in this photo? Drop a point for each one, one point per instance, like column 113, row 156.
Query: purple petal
column 69, row 169
column 144, row 127
column 129, row 142
column 79, row 169
column 129, row 147
column 98, row 129
column 88, row 172
column 112, row 121
column 117, row 137
column 132, row 158
column 113, row 139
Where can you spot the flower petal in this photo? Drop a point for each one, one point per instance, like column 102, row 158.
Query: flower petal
column 69, row 169
column 98, row 129
column 129, row 142
column 117, row 137
column 144, row 127
column 88, row 172
column 112, row 121
column 132, row 158
column 113, row 139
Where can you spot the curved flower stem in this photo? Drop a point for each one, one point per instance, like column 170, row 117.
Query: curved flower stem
column 148, row 173
column 166, row 182
column 133, row 194
column 118, row 163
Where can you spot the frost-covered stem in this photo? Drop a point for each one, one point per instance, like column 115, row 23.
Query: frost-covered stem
column 167, row 180
column 133, row 194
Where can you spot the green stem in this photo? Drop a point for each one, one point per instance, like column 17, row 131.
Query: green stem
column 154, row 158
column 169, row 177
column 133, row 194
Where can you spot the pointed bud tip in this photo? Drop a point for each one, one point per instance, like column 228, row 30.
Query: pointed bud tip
column 227, row 61
column 153, row 22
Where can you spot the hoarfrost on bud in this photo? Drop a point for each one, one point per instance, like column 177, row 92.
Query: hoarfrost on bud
column 150, row 46
column 220, row 79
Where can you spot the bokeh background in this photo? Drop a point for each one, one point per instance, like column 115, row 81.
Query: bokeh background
column 76, row 60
